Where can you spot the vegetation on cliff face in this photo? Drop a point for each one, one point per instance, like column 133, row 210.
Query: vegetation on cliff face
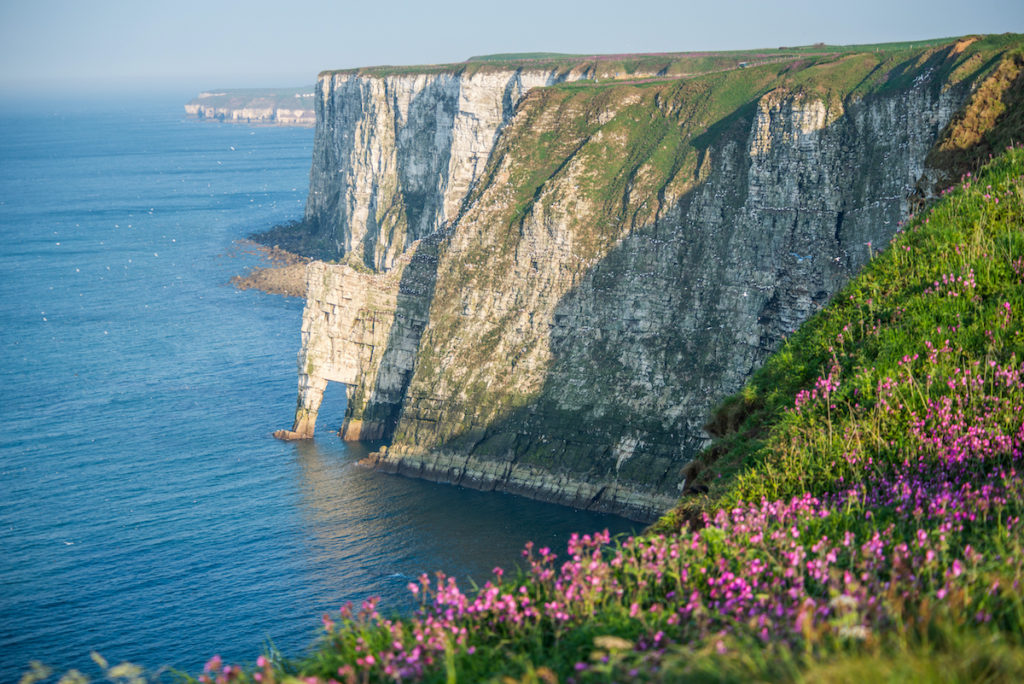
column 863, row 518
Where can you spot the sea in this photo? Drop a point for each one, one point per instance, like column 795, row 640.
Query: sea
column 146, row 513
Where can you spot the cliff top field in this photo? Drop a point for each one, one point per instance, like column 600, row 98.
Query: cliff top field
column 863, row 518
column 234, row 98
column 625, row 66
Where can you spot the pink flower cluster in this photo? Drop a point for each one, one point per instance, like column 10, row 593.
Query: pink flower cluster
column 791, row 571
column 823, row 389
column 780, row 570
column 952, row 285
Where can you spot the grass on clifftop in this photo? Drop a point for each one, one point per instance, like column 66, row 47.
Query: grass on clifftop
column 624, row 66
column 863, row 519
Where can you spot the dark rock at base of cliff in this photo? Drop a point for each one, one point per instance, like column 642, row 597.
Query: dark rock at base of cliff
column 450, row 467
column 285, row 276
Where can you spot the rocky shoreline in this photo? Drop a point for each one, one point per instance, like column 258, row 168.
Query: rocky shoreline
column 286, row 274
column 605, row 495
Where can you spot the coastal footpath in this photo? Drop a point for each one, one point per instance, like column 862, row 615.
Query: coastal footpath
column 282, row 106
column 550, row 270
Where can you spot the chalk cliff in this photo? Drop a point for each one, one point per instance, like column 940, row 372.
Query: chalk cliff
column 575, row 274
column 398, row 149
column 395, row 155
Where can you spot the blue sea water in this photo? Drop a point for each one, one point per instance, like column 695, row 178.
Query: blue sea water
column 145, row 511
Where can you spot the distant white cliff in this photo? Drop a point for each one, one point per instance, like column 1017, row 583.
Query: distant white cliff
column 281, row 106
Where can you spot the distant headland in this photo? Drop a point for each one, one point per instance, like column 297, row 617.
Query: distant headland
column 280, row 106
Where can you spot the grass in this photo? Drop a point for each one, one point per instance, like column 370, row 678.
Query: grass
column 255, row 97
column 672, row 64
column 669, row 63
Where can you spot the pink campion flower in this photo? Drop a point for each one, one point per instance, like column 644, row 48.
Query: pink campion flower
column 213, row 663
column 262, row 661
column 804, row 397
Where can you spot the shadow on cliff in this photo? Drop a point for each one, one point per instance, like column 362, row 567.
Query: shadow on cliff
column 421, row 170
column 382, row 407
column 680, row 311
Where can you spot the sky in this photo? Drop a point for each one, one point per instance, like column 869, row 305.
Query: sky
column 99, row 46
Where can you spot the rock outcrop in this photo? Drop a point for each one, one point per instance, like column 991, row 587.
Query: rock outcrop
column 363, row 329
column 624, row 260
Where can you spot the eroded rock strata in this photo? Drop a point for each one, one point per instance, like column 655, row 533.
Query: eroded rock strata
column 624, row 260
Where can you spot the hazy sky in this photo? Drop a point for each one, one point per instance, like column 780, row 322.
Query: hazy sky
column 188, row 45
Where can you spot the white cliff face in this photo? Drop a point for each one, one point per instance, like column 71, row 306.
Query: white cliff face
column 362, row 330
column 395, row 156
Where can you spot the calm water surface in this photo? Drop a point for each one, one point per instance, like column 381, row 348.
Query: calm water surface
column 145, row 511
